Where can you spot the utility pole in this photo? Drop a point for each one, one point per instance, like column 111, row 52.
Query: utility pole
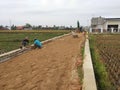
column 10, row 24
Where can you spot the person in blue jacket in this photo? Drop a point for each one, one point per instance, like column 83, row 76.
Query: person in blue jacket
column 37, row 43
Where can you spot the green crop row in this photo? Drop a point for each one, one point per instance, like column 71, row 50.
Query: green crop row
column 101, row 75
column 12, row 40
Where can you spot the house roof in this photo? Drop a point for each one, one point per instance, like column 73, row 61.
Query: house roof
column 20, row 27
column 112, row 18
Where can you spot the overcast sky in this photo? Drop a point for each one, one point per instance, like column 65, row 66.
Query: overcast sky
column 56, row 12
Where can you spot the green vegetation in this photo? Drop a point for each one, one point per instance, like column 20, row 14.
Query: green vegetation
column 79, row 68
column 10, row 40
column 80, row 73
column 82, row 51
column 101, row 75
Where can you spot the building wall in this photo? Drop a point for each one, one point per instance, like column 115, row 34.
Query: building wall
column 97, row 21
column 97, row 24
column 111, row 22
column 100, row 23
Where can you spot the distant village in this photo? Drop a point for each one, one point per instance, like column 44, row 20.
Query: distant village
column 28, row 26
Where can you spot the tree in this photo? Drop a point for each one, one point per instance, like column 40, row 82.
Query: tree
column 39, row 26
column 1, row 26
column 13, row 27
column 28, row 25
column 78, row 25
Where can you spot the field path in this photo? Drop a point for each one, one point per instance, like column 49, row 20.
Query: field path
column 48, row 68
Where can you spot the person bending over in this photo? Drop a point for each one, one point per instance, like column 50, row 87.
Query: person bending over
column 25, row 42
column 37, row 44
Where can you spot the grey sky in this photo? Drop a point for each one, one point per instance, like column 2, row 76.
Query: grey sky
column 56, row 12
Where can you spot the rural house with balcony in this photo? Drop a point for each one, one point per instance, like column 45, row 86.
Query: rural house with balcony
column 100, row 24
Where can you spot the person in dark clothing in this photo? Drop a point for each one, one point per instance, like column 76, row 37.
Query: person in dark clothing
column 25, row 42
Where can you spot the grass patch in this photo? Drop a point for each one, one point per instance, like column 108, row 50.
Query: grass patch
column 101, row 75
column 80, row 73
column 80, row 67
column 82, row 51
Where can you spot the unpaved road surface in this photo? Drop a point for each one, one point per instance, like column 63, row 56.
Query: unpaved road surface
column 48, row 68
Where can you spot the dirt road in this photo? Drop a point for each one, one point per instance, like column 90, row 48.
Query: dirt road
column 48, row 68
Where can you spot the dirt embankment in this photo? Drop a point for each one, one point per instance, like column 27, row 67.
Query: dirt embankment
column 48, row 68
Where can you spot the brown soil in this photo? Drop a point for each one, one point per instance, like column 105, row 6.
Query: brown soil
column 48, row 68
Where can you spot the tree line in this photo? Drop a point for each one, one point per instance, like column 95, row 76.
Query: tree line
column 28, row 26
column 35, row 27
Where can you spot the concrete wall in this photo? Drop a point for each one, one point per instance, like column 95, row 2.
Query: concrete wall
column 112, row 22
column 89, row 82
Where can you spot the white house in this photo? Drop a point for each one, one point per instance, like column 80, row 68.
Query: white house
column 100, row 24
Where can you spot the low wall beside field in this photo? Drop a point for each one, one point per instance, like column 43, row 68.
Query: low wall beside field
column 89, row 82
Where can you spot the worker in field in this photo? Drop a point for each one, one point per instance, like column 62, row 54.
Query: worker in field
column 37, row 44
column 25, row 42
